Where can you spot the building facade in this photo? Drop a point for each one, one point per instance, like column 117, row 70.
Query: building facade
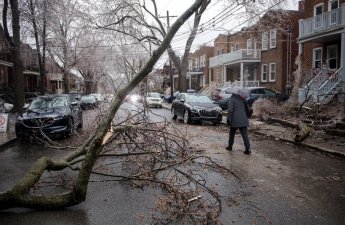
column 260, row 55
column 322, row 49
column 198, row 64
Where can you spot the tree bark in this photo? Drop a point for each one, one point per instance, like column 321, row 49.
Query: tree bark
column 15, row 51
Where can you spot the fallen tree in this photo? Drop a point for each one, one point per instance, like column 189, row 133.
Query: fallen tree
column 20, row 196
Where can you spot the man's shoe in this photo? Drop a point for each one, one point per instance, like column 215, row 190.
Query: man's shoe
column 247, row 151
column 228, row 148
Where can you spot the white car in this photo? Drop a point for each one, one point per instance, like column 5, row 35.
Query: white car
column 153, row 99
column 98, row 96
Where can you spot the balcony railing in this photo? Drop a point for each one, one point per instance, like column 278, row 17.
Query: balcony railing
column 236, row 56
column 322, row 23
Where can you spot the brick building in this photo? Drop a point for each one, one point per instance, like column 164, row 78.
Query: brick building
column 259, row 55
column 322, row 48
column 198, row 64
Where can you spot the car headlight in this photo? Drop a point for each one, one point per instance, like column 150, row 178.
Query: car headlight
column 60, row 117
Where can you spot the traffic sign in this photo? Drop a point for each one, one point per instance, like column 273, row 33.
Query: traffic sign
column 3, row 122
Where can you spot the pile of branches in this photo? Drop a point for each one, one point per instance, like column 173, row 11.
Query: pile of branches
column 140, row 153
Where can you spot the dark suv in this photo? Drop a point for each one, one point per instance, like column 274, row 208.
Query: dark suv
column 255, row 93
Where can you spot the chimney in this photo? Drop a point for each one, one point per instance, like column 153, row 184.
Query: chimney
column 301, row 5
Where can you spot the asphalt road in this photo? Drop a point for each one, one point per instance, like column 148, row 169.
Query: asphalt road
column 279, row 184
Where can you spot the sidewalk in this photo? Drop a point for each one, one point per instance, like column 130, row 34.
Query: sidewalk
column 318, row 140
column 9, row 136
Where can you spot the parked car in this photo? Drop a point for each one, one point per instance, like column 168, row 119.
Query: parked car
column 220, row 97
column 51, row 114
column 88, row 102
column 195, row 107
column 153, row 99
column 169, row 99
column 254, row 93
column 99, row 97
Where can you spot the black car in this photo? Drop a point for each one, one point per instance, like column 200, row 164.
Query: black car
column 51, row 114
column 195, row 107
column 88, row 102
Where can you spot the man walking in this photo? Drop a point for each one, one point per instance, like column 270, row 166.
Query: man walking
column 238, row 119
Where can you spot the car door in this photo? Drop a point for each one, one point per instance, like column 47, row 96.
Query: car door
column 179, row 104
column 76, row 112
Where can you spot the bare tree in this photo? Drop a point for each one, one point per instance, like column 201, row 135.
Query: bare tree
column 154, row 32
column 66, row 28
column 35, row 14
column 83, row 159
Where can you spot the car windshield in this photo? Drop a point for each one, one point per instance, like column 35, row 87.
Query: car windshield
column 48, row 102
column 198, row 98
column 88, row 99
column 153, row 95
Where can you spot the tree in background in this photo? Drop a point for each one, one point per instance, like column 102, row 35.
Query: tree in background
column 15, row 49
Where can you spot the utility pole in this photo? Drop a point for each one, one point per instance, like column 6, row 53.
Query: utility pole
column 170, row 68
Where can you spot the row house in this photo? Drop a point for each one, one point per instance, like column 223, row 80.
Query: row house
column 260, row 55
column 321, row 45
column 198, row 64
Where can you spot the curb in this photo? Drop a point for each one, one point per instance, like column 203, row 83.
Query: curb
column 310, row 146
column 7, row 143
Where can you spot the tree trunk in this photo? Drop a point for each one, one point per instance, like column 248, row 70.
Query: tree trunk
column 17, row 63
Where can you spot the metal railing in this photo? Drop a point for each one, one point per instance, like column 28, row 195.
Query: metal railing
column 329, row 85
column 322, row 23
column 322, row 84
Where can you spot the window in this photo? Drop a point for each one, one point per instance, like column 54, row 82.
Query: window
column 220, row 51
column 196, row 63
column 272, row 72
column 273, row 38
column 333, row 4
column 264, row 38
column 332, row 57
column 318, row 10
column 264, row 72
column 317, row 58
column 249, row 43
column 190, row 64
column 204, row 61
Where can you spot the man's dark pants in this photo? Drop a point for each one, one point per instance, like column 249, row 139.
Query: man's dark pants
column 244, row 134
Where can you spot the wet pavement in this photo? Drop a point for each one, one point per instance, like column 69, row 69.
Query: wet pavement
column 280, row 183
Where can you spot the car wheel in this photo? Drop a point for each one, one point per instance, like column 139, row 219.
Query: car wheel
column 216, row 123
column 173, row 113
column 186, row 118
column 81, row 123
column 70, row 127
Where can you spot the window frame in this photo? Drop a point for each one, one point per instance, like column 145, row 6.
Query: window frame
column 270, row 72
column 273, row 40
column 314, row 57
column 334, row 58
column 264, row 41
column 262, row 72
